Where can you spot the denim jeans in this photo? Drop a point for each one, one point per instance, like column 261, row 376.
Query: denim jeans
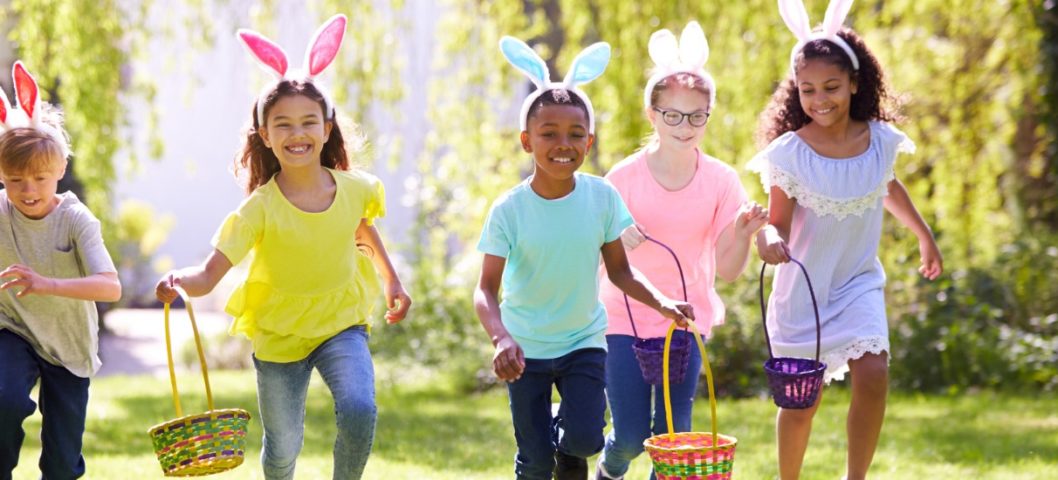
column 630, row 402
column 577, row 430
column 63, row 401
column 344, row 362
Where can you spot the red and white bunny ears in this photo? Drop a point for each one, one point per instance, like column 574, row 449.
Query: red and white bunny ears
column 686, row 56
column 322, row 50
column 29, row 113
column 796, row 17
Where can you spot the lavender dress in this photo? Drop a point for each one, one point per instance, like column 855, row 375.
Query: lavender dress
column 837, row 223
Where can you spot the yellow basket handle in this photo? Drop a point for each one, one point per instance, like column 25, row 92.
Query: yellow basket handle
column 201, row 355
column 708, row 380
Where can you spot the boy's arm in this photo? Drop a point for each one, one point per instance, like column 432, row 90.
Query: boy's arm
column 508, row 362
column 397, row 299
column 632, row 283
column 196, row 281
column 899, row 203
column 99, row 287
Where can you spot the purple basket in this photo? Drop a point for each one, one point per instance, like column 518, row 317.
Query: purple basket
column 650, row 352
column 794, row 382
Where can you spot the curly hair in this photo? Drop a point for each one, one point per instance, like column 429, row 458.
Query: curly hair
column 256, row 164
column 872, row 100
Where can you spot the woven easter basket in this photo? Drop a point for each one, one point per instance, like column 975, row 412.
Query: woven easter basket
column 794, row 383
column 691, row 455
column 204, row 443
column 649, row 352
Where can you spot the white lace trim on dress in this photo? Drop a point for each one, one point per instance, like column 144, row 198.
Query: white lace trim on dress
column 838, row 360
column 821, row 204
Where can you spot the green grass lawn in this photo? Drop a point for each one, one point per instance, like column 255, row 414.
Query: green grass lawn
column 430, row 432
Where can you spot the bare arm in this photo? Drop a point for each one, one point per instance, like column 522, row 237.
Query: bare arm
column 899, row 203
column 196, row 281
column 508, row 361
column 397, row 299
column 732, row 246
column 772, row 239
column 99, row 287
column 632, row 283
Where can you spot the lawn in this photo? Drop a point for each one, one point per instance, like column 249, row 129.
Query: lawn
column 432, row 432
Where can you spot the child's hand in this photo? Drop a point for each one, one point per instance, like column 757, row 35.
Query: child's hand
column 751, row 218
column 25, row 277
column 633, row 237
column 508, row 362
column 397, row 302
column 772, row 248
column 165, row 291
column 678, row 312
column 932, row 263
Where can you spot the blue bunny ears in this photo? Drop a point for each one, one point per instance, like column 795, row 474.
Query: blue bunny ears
column 589, row 64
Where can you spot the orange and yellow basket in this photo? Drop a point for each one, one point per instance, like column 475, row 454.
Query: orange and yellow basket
column 691, row 455
column 203, row 443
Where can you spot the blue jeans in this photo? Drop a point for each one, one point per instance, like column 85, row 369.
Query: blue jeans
column 577, row 430
column 63, row 401
column 630, row 402
column 344, row 362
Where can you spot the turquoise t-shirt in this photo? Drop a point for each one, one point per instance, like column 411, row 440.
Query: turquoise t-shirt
column 550, row 301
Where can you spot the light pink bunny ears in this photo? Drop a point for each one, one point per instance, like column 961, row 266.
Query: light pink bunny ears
column 686, row 56
column 29, row 113
column 796, row 17
column 322, row 50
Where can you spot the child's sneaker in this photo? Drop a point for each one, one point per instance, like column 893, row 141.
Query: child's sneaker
column 602, row 474
column 568, row 467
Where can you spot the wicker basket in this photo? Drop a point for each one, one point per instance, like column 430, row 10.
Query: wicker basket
column 794, row 382
column 201, row 444
column 691, row 455
column 649, row 351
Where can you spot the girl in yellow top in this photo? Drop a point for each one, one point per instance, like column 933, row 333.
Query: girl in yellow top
column 307, row 298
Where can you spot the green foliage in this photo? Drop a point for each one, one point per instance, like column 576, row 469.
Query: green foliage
column 137, row 234
column 974, row 107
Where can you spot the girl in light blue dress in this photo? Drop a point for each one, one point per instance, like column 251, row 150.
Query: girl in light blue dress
column 829, row 172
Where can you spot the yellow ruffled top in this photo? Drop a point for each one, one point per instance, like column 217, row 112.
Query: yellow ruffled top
column 307, row 280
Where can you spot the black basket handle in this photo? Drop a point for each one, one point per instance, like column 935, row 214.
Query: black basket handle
column 683, row 282
column 764, row 307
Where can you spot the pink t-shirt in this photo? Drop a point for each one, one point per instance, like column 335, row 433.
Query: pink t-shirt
column 689, row 221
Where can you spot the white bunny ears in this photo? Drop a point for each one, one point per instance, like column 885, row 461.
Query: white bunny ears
column 686, row 56
column 322, row 50
column 796, row 17
column 589, row 64
column 29, row 113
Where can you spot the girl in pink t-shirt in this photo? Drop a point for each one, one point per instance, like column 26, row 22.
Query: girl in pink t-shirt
column 694, row 204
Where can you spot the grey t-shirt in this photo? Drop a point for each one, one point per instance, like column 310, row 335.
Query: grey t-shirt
column 67, row 243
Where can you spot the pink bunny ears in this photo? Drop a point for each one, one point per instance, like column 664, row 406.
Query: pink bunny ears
column 322, row 50
column 686, row 56
column 796, row 17
column 29, row 113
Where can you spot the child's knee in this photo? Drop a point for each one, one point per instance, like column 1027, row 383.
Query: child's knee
column 356, row 413
column 582, row 444
column 14, row 409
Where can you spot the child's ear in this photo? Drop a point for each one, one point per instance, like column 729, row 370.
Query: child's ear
column 263, row 133
column 591, row 141
column 328, row 125
column 525, row 142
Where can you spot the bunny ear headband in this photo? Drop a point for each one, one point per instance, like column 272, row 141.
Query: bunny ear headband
column 796, row 17
column 320, row 53
column 589, row 64
column 29, row 113
column 686, row 56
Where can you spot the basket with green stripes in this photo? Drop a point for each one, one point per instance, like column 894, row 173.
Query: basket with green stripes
column 691, row 455
column 204, row 443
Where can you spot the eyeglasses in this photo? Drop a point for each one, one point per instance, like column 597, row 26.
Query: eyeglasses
column 673, row 118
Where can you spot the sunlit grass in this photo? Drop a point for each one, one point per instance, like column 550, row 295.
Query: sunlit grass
column 430, row 431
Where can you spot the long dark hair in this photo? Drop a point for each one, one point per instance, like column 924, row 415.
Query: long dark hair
column 872, row 100
column 256, row 164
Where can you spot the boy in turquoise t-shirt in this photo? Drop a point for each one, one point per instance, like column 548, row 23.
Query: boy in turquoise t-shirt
column 542, row 242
